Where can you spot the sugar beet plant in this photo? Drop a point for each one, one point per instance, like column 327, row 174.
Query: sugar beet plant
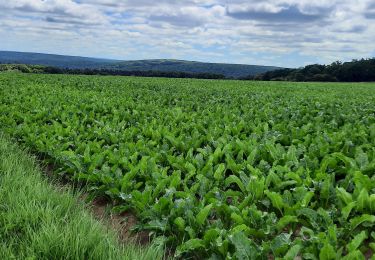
column 215, row 169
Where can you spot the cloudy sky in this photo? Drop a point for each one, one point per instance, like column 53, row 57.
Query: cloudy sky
column 286, row 33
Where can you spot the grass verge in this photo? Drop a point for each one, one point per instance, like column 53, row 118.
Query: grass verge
column 41, row 221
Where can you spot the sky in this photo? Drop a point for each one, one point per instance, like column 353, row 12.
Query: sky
column 287, row 33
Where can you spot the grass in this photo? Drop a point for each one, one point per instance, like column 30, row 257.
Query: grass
column 40, row 221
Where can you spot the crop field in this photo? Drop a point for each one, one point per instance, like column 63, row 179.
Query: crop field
column 215, row 169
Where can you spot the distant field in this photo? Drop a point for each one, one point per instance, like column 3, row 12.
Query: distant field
column 221, row 169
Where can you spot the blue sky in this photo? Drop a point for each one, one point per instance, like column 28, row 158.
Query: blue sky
column 287, row 33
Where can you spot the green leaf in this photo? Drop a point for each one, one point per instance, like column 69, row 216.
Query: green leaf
column 86, row 155
column 362, row 181
column 276, row 199
column 203, row 214
column 361, row 158
column 237, row 218
column 371, row 203
column 347, row 209
column 357, row 241
column 355, row 255
column 180, row 223
column 345, row 196
column 372, row 246
column 156, row 225
column 256, row 187
column 349, row 162
column 293, row 252
column 219, row 172
column 245, row 248
column 210, row 235
column 325, row 189
column 327, row 252
column 362, row 200
column 284, row 221
column 307, row 198
column 280, row 244
column 355, row 222
column 190, row 245
column 234, row 179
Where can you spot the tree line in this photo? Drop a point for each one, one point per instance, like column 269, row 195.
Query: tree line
column 106, row 72
column 354, row 71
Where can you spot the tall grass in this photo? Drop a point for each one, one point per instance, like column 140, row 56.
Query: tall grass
column 41, row 221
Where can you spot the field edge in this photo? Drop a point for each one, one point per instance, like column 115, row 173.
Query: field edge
column 41, row 221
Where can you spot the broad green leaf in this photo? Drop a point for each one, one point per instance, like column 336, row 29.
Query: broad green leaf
column 203, row 214
column 362, row 200
column 307, row 198
column 355, row 222
column 190, row 245
column 345, row 196
column 357, row 241
column 210, row 235
column 180, row 223
column 276, row 199
column 347, row 209
column 325, row 189
column 219, row 172
column 286, row 220
column 86, row 156
column 237, row 218
column 357, row 255
column 234, row 179
column 372, row 246
column 349, row 162
column 293, row 252
column 245, row 248
column 371, row 203
column 327, row 252
column 256, row 187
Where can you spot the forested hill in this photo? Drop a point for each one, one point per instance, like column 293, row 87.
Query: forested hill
column 228, row 70
column 354, row 71
column 74, row 62
column 53, row 60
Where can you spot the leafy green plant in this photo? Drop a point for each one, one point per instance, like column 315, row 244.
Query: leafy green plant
column 216, row 169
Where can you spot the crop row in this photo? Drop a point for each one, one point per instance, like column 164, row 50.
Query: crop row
column 219, row 169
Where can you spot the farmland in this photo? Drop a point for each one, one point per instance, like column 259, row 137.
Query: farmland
column 221, row 169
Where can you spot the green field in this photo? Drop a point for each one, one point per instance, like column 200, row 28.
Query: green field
column 220, row 169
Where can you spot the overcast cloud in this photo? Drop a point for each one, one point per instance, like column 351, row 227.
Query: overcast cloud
column 272, row 32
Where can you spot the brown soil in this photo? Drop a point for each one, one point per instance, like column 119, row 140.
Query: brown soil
column 121, row 223
column 100, row 208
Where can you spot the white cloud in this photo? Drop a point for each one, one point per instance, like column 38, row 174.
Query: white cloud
column 245, row 31
column 63, row 11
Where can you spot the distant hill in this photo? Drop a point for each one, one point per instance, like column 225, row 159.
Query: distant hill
column 228, row 70
column 61, row 61
column 75, row 62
